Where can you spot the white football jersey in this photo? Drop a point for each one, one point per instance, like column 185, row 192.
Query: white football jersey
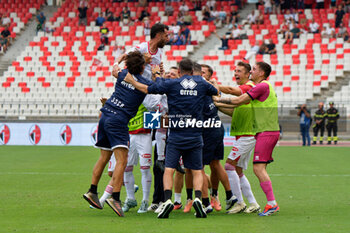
column 156, row 58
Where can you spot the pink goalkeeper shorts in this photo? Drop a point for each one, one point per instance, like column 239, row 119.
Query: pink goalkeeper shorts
column 265, row 143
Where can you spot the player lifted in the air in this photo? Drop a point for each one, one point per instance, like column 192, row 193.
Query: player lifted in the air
column 113, row 132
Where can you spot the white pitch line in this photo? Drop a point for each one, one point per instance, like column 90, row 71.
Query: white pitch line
column 84, row 174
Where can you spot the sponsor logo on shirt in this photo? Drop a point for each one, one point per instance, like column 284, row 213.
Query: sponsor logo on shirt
column 127, row 85
column 188, row 86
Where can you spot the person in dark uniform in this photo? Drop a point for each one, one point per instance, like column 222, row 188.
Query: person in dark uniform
column 332, row 117
column 319, row 118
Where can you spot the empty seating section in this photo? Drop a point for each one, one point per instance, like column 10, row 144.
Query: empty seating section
column 20, row 11
column 55, row 75
column 300, row 69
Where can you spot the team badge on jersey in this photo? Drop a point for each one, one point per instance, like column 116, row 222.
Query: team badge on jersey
column 4, row 134
column 65, row 134
column 34, row 134
column 93, row 134
column 151, row 120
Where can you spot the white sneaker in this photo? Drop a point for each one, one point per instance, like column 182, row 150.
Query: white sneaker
column 153, row 207
column 143, row 207
column 198, row 207
column 253, row 208
column 237, row 208
column 166, row 208
column 157, row 211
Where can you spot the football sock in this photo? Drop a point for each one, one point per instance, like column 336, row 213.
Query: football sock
column 189, row 194
column 228, row 194
column 107, row 193
column 177, row 197
column 272, row 203
column 246, row 189
column 146, row 181
column 198, row 194
column 116, row 196
column 234, row 182
column 129, row 182
column 93, row 189
column 167, row 194
column 205, row 201
column 214, row 192
column 267, row 188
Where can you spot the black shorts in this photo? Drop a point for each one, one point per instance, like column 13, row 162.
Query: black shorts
column 213, row 148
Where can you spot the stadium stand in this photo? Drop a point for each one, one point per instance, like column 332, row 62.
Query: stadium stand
column 56, row 75
column 64, row 74
column 300, row 69
column 20, row 12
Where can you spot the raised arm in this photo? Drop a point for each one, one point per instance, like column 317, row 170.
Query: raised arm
column 230, row 90
column 234, row 101
column 139, row 86
column 226, row 111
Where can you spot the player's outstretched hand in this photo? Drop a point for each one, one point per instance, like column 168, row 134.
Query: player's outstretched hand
column 116, row 70
column 103, row 100
column 215, row 84
column 215, row 98
column 121, row 58
column 129, row 78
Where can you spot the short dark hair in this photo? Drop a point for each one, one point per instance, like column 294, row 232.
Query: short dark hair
column 135, row 62
column 174, row 67
column 246, row 66
column 264, row 67
column 211, row 71
column 158, row 28
column 197, row 67
column 186, row 66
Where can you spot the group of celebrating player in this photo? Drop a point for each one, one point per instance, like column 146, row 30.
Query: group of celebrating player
column 185, row 94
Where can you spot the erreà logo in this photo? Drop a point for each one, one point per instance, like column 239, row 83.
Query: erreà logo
column 93, row 134
column 188, row 84
column 4, row 134
column 66, row 134
column 34, row 134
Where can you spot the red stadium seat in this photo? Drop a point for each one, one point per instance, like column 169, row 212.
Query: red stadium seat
column 286, row 89
column 87, row 89
column 109, row 84
column 316, row 83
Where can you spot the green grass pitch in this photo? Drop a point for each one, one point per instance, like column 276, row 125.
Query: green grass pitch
column 41, row 191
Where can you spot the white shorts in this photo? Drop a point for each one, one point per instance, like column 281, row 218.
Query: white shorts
column 140, row 147
column 111, row 163
column 242, row 150
column 160, row 140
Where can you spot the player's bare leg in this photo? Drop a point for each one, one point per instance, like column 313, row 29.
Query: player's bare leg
column 91, row 195
column 121, row 157
column 100, row 166
column 167, row 206
column 178, row 185
column 205, row 195
column 198, row 186
column 189, row 190
column 220, row 174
